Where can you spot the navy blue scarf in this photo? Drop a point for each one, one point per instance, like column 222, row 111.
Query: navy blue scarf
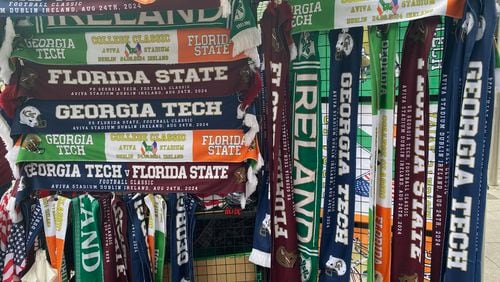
column 338, row 217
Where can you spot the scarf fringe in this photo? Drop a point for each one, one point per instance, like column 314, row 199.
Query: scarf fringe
column 246, row 39
column 253, row 54
column 261, row 258
column 225, row 7
column 6, row 50
column 293, row 51
column 252, row 180
column 5, row 134
column 11, row 157
column 250, row 121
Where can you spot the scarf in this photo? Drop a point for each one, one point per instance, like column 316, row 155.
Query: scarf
column 123, row 263
column 41, row 270
column 196, row 45
column 459, row 42
column 52, row 117
column 311, row 15
column 55, row 212
column 5, row 225
column 160, row 234
column 132, row 82
column 382, row 41
column 35, row 224
column 338, row 217
column 181, row 221
column 15, row 256
column 376, row 12
column 141, row 269
column 412, row 154
column 68, row 7
column 307, row 150
column 149, row 202
column 88, row 250
column 179, row 146
column 468, row 192
column 206, row 178
column 261, row 245
column 276, row 26
column 108, row 239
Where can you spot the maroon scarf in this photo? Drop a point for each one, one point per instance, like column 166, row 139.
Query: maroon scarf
column 276, row 26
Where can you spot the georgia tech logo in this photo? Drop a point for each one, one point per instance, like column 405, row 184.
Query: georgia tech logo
column 32, row 144
column 31, row 117
column 344, row 45
column 336, row 265
column 467, row 25
column 387, row 5
column 306, row 45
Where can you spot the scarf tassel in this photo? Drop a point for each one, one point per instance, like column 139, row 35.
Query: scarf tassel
column 6, row 50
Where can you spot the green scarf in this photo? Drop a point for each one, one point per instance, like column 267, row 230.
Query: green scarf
column 160, row 235
column 87, row 240
column 311, row 15
column 383, row 47
column 135, row 37
column 307, row 150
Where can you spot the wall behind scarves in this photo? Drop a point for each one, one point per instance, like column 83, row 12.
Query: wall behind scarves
column 144, row 124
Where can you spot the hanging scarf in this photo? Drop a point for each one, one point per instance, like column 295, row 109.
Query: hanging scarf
column 5, row 225
column 141, row 268
column 179, row 146
column 468, row 193
column 307, row 150
column 338, row 216
column 160, row 218
column 412, row 154
column 132, row 82
column 108, row 239
column 87, row 240
column 196, row 45
column 123, row 263
column 68, row 7
column 276, row 26
column 383, row 46
column 55, row 212
column 311, row 15
column 149, row 202
column 459, row 41
column 52, row 117
column 205, row 178
column 376, row 12
column 261, row 246
column 35, row 224
column 182, row 220
column 15, row 257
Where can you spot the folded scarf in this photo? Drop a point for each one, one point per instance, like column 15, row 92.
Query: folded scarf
column 160, row 234
column 205, row 178
column 123, row 262
column 376, row 12
column 131, row 82
column 69, row 7
column 52, row 117
column 178, row 146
